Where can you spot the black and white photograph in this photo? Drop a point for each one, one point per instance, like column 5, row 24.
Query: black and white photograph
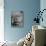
column 17, row 19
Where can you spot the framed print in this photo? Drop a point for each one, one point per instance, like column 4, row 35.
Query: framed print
column 17, row 19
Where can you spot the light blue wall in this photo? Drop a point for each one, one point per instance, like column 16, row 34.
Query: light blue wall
column 29, row 7
column 43, row 6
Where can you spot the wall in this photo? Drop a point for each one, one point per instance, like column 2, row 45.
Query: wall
column 43, row 6
column 1, row 21
column 29, row 7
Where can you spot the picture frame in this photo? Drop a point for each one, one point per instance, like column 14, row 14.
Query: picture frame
column 17, row 19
